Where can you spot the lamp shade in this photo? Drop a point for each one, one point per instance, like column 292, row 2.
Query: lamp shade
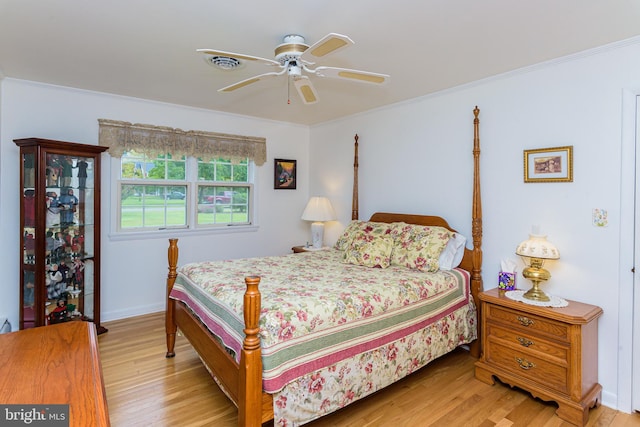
column 318, row 209
column 538, row 247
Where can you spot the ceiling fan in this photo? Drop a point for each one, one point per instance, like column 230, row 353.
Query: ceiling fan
column 294, row 58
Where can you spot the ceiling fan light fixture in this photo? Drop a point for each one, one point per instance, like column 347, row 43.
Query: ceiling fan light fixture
column 294, row 70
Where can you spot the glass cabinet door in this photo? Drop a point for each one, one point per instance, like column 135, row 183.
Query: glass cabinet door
column 60, row 229
column 69, row 237
column 29, row 239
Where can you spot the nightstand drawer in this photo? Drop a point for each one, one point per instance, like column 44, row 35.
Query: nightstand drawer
column 527, row 342
column 526, row 365
column 529, row 322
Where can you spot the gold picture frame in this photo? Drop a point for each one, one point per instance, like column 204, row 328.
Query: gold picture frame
column 548, row 164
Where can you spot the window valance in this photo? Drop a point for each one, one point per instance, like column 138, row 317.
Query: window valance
column 157, row 140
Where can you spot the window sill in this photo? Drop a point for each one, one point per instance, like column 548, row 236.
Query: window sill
column 180, row 232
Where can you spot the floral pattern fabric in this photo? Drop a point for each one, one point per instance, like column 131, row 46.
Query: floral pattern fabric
column 368, row 250
column 419, row 247
column 320, row 315
column 371, row 229
column 327, row 390
column 345, row 238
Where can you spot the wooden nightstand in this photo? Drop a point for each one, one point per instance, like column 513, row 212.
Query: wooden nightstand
column 550, row 352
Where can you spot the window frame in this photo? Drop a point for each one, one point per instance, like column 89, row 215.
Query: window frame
column 192, row 183
column 227, row 184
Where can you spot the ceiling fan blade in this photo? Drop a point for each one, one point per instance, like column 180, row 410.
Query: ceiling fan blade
column 330, row 43
column 353, row 75
column 306, row 90
column 247, row 82
column 209, row 53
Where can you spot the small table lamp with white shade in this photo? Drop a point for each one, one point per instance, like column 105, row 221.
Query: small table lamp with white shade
column 536, row 249
column 318, row 210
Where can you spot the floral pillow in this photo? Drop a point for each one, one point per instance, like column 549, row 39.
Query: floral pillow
column 357, row 226
column 369, row 250
column 419, row 247
column 345, row 238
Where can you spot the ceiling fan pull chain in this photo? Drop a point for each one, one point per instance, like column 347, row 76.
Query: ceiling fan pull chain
column 288, row 90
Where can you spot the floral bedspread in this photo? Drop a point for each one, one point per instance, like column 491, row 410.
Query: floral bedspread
column 336, row 386
column 316, row 310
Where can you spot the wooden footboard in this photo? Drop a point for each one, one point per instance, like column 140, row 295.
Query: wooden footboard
column 241, row 382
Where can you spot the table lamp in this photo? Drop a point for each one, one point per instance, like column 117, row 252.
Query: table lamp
column 318, row 210
column 536, row 250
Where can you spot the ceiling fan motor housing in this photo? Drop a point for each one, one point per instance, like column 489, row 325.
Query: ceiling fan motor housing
column 290, row 50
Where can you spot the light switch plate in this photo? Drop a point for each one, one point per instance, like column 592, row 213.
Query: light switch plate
column 600, row 217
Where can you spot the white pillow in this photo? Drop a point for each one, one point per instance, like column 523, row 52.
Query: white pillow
column 451, row 256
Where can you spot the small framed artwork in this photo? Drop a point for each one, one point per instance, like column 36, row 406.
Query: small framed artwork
column 284, row 174
column 549, row 164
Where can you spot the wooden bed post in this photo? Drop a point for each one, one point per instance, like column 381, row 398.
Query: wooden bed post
column 476, row 228
column 354, row 198
column 250, row 378
column 170, row 324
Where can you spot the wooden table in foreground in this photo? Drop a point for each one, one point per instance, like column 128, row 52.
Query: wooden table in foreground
column 56, row 364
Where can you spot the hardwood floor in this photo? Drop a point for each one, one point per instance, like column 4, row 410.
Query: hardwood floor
column 146, row 389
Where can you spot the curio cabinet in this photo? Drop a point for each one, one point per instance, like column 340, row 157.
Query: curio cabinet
column 60, row 230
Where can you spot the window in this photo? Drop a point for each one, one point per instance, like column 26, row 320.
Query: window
column 166, row 192
column 169, row 178
column 223, row 192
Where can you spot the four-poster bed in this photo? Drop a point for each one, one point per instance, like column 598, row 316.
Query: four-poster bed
column 260, row 343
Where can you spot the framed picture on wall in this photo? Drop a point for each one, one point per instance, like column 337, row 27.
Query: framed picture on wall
column 549, row 164
column 284, row 174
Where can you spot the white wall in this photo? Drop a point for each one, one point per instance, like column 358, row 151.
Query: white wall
column 134, row 271
column 414, row 155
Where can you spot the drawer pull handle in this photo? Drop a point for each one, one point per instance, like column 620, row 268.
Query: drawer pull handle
column 525, row 364
column 525, row 321
column 525, row 342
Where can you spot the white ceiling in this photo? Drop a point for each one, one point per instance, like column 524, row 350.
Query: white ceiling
column 147, row 48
